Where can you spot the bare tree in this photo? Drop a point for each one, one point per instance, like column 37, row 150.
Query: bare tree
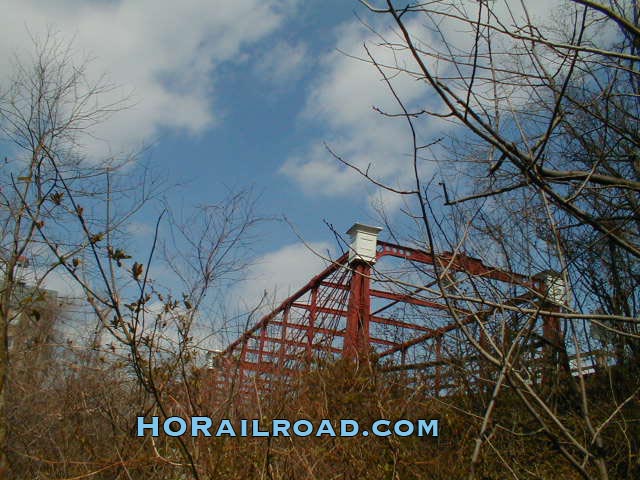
column 545, row 118
column 46, row 108
column 67, row 213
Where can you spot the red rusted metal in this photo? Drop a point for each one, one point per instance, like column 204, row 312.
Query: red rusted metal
column 312, row 318
column 283, row 336
column 438, row 382
column 555, row 357
column 356, row 338
column 331, row 316
column 263, row 336
column 455, row 262
column 314, row 282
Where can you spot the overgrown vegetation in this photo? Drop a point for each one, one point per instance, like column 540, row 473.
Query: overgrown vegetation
column 546, row 139
column 80, row 423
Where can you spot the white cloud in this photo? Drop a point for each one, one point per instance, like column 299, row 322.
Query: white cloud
column 280, row 273
column 139, row 229
column 341, row 98
column 283, row 64
column 164, row 52
column 58, row 280
column 62, row 283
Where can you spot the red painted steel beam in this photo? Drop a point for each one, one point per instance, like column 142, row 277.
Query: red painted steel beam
column 437, row 332
column 382, row 341
column 314, row 282
column 457, row 262
column 344, row 313
column 408, row 253
column 263, row 336
column 319, row 309
column 554, row 349
column 300, row 326
column 406, row 298
column 356, row 337
column 398, row 297
column 438, row 373
column 400, row 324
column 412, row 366
column 293, row 343
column 340, row 333
column 266, row 368
column 311, row 331
column 271, row 354
column 358, row 315
column 283, row 334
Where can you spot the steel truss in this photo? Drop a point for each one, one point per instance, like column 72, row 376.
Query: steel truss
column 358, row 310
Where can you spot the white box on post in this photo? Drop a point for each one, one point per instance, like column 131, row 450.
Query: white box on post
column 556, row 290
column 364, row 241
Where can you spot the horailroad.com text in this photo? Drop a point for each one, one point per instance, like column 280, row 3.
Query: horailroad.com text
column 206, row 427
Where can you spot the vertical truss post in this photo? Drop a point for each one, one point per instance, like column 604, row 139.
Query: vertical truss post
column 356, row 338
column 438, row 379
column 312, row 319
column 555, row 357
column 362, row 254
column 283, row 337
column 242, row 363
column 483, row 364
column 320, row 318
column 263, row 336
column 403, row 361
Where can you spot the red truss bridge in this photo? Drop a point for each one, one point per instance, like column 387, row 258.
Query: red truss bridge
column 381, row 303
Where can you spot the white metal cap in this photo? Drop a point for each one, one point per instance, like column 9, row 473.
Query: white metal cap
column 556, row 288
column 364, row 240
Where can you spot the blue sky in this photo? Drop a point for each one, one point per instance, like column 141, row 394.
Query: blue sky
column 243, row 94
column 230, row 94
